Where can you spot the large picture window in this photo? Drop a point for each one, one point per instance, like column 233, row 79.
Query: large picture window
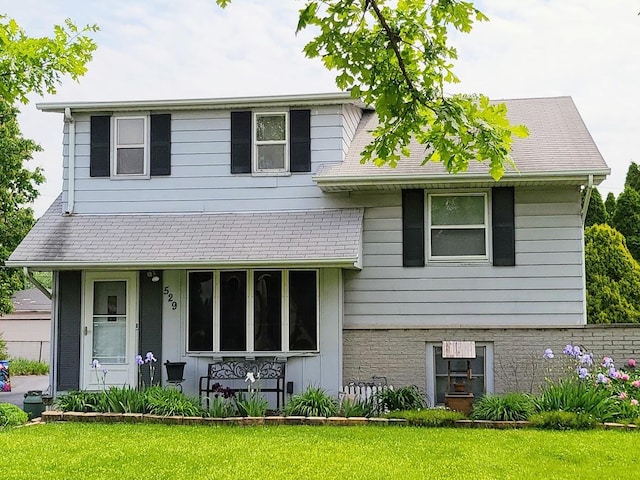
column 458, row 226
column 253, row 311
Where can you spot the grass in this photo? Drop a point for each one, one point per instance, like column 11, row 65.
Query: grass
column 124, row 451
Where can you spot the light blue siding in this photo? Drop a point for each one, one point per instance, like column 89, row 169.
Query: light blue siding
column 544, row 288
column 201, row 179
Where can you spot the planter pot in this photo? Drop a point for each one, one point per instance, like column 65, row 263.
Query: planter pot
column 175, row 371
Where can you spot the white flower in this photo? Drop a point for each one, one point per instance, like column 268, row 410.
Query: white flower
column 250, row 377
column 96, row 364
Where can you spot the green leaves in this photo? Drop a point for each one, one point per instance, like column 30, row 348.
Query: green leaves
column 30, row 64
column 398, row 60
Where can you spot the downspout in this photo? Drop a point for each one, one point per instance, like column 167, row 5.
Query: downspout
column 587, row 199
column 72, row 161
column 36, row 283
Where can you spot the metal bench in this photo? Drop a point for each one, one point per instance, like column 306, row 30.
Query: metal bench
column 271, row 377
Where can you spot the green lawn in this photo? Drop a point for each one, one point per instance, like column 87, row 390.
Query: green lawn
column 126, row 451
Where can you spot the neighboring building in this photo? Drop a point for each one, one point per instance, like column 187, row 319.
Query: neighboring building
column 266, row 237
column 27, row 330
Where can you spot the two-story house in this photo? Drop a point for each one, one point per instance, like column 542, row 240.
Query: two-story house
column 247, row 228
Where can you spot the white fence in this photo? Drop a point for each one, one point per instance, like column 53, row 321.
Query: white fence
column 362, row 392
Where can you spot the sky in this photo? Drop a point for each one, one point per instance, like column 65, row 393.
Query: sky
column 168, row 49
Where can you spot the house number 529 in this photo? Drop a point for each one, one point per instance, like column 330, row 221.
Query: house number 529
column 170, row 300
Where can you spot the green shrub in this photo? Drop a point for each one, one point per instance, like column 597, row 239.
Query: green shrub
column 23, row 366
column 78, row 401
column 11, row 415
column 353, row 408
column 251, row 405
column 559, row 420
column 121, row 400
column 170, row 402
column 430, row 417
column 578, row 396
column 220, row 407
column 510, row 407
column 405, row 398
column 313, row 402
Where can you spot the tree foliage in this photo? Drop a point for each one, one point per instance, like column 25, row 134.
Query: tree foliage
column 396, row 57
column 31, row 64
column 626, row 219
column 612, row 277
column 596, row 213
column 610, row 205
column 632, row 179
column 28, row 65
column 18, row 187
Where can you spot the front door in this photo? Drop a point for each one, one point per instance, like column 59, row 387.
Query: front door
column 110, row 326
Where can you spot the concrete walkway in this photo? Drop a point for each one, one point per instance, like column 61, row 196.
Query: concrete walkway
column 21, row 384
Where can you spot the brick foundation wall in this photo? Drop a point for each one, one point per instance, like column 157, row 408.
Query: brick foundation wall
column 400, row 355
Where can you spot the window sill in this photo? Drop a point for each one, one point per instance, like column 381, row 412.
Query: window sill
column 253, row 355
column 271, row 174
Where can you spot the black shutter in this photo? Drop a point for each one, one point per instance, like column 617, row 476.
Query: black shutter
column 413, row 228
column 160, row 143
column 150, row 321
column 503, row 218
column 69, row 334
column 300, row 144
column 240, row 142
column 100, row 153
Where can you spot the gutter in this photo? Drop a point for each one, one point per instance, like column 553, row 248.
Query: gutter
column 72, row 161
column 398, row 179
column 36, row 283
column 316, row 99
column 587, row 198
column 350, row 262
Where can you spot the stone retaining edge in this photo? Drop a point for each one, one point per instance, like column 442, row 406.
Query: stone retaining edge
column 93, row 417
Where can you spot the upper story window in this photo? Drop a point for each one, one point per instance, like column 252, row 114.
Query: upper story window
column 271, row 143
column 458, row 226
column 130, row 146
column 135, row 146
column 271, row 147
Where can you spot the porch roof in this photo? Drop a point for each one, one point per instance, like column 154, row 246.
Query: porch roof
column 306, row 238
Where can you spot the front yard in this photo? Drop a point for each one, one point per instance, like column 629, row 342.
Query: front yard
column 128, row 451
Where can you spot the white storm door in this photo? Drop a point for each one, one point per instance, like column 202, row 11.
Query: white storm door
column 110, row 325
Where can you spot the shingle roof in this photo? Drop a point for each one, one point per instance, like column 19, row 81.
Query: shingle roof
column 323, row 237
column 558, row 144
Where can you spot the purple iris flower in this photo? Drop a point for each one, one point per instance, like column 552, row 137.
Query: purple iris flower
column 548, row 353
column 583, row 372
column 568, row 350
column 150, row 357
column 602, row 378
column 139, row 360
column 607, row 362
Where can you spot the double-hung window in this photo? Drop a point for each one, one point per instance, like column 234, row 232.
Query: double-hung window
column 253, row 311
column 458, row 226
column 130, row 146
column 271, row 149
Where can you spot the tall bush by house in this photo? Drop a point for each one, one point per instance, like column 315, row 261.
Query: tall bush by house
column 596, row 213
column 612, row 277
column 626, row 219
column 610, row 205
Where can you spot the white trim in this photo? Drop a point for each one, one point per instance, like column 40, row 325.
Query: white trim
column 145, row 145
column 316, row 99
column 132, row 327
column 486, row 226
column 168, row 265
column 256, row 170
